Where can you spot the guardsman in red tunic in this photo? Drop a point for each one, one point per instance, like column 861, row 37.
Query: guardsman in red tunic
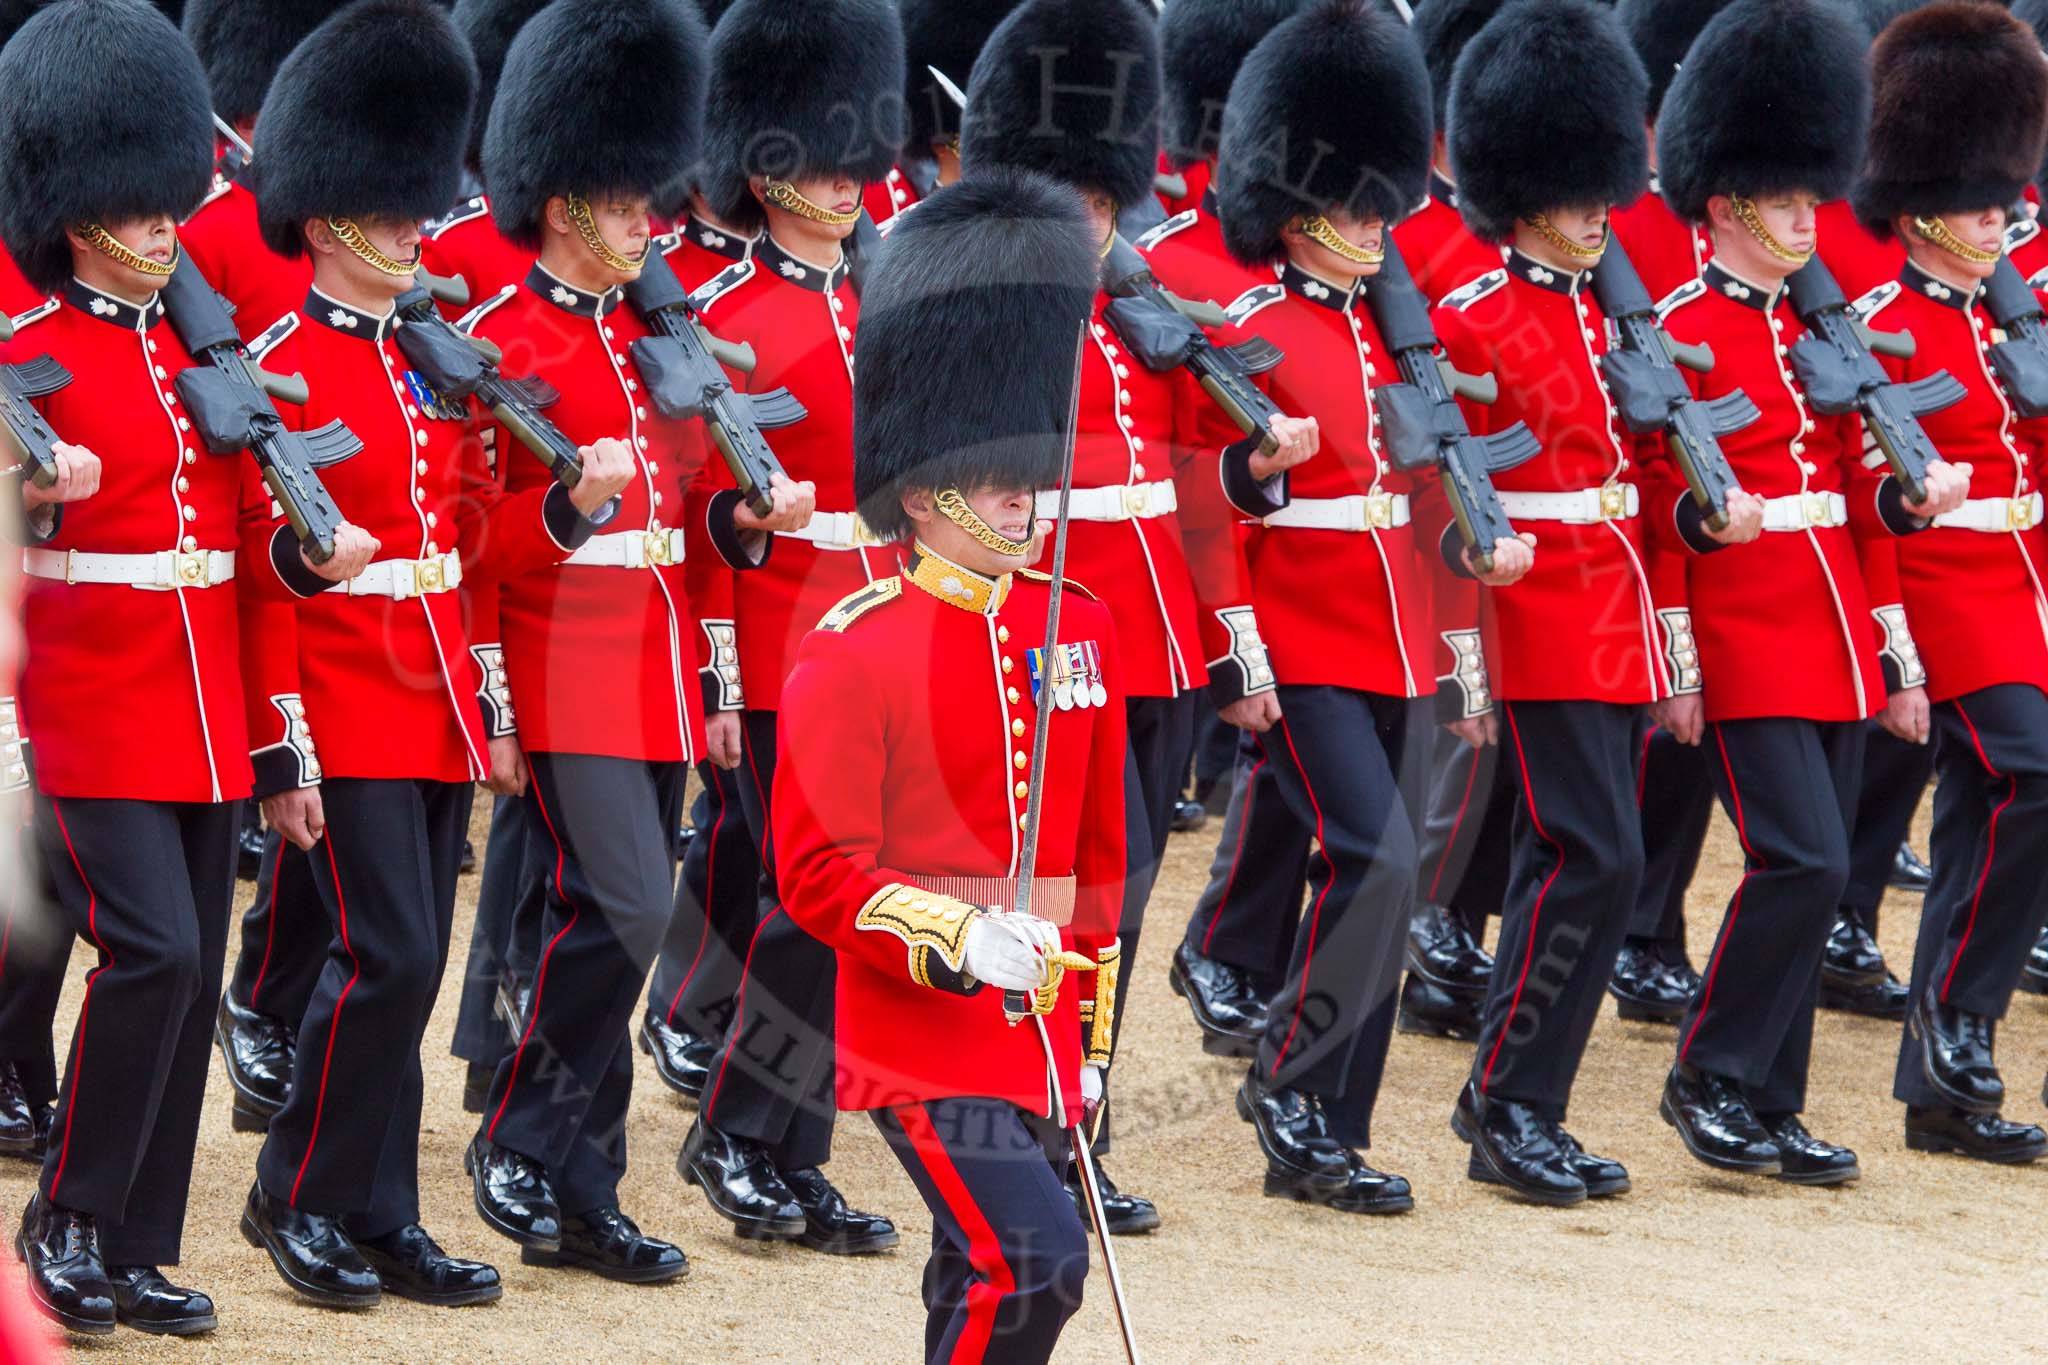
column 1962, row 109
column 367, row 724
column 779, row 159
column 1576, row 650
column 1441, row 252
column 946, row 35
column 910, row 773
column 130, row 575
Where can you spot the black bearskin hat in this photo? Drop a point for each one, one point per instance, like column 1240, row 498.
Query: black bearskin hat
column 106, row 118
column 1070, row 88
column 1773, row 96
column 368, row 117
column 800, row 88
column 1330, row 110
column 490, row 26
column 597, row 97
column 947, row 34
column 243, row 42
column 1202, row 43
column 968, row 333
column 1547, row 108
column 1663, row 31
column 1443, row 27
column 1959, row 112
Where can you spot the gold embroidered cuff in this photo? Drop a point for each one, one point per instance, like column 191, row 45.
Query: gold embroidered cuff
column 926, row 923
column 1101, row 1019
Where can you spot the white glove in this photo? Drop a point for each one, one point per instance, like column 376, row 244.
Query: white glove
column 1091, row 1085
column 1005, row 951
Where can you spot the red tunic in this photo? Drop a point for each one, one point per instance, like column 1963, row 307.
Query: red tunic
column 2027, row 244
column 132, row 693
column 1197, row 175
column 1664, row 249
column 905, row 740
column 1441, row 252
column 886, row 198
column 17, row 295
column 466, row 242
column 223, row 241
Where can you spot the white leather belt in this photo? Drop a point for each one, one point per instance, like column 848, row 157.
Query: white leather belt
column 1797, row 511
column 836, row 531
column 1583, row 506
column 1994, row 514
column 630, row 550
column 1357, row 512
column 159, row 572
column 399, row 579
column 1115, row 502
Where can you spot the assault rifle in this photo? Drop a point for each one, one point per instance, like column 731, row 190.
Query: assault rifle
column 23, row 431
column 2022, row 358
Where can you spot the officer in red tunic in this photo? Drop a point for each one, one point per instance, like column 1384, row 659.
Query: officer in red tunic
column 779, row 159
column 366, row 723
column 1764, row 123
column 1577, row 649
column 131, row 576
column 1961, row 96
column 908, row 780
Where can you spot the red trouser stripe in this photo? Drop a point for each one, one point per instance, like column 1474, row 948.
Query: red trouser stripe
column 1535, row 911
column 1457, row 823
column 1752, row 864
column 2012, row 789
column 1244, row 822
column 92, row 909
column 1643, row 766
column 739, row 1017
column 1315, row 918
column 270, row 925
column 710, row 880
column 540, row 975
column 984, row 1249
column 333, row 1024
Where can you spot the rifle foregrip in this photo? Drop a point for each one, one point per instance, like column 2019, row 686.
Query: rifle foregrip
column 1699, row 358
column 1897, row 345
column 285, row 388
column 1480, row 388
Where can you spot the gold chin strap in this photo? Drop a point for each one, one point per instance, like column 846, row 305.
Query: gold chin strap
column 1319, row 230
column 1935, row 231
column 784, row 195
column 1564, row 243
column 586, row 227
column 352, row 237
column 955, row 509
column 1746, row 214
column 118, row 251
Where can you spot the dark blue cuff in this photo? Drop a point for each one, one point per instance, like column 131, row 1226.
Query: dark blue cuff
column 742, row 550
column 1252, row 496
column 1891, row 509
column 567, row 527
column 292, row 567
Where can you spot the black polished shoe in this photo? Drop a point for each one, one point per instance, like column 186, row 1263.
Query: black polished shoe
column 1955, row 1055
column 1645, row 988
column 1127, row 1215
column 1852, row 957
column 257, row 1049
column 66, row 1278
column 830, row 1225
column 18, row 1118
column 681, row 1059
column 1984, row 1137
column 1303, row 1159
column 1604, row 1177
column 468, row 863
column 1885, row 1000
column 1804, row 1159
column 513, row 1194
column 412, row 1265
column 1443, row 953
column 249, row 849
column 311, row 1253
column 1369, row 1191
column 1908, row 872
column 1433, row 1012
column 476, row 1087
column 1716, row 1123
column 741, row 1184
column 1231, row 1014
column 2034, row 976
column 146, row 1301
column 1189, row 816
column 607, row 1243
column 1515, row 1147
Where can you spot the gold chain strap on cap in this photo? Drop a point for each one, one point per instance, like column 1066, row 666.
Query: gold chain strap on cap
column 112, row 247
column 1935, row 231
column 351, row 236
column 782, row 194
column 955, row 509
column 1564, row 243
column 1323, row 233
column 586, row 227
column 1746, row 214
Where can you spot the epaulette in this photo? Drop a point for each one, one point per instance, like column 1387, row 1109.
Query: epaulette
column 2020, row 232
column 462, row 213
column 1254, row 300
column 272, row 335
column 35, row 314
column 477, row 314
column 1877, row 300
column 1465, row 295
column 860, row 602
column 221, row 185
column 1180, row 222
column 1694, row 288
column 1036, row 577
column 2039, row 279
column 724, row 282
column 666, row 242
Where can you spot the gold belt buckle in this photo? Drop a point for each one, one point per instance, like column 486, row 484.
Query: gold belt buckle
column 1379, row 511
column 1817, row 509
column 2019, row 513
column 658, row 549
column 1613, row 501
column 427, row 577
column 188, row 568
column 1137, row 498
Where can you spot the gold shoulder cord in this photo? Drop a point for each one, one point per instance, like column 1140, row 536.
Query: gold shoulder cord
column 1935, row 231
column 784, row 195
column 955, row 509
column 114, row 249
column 1322, row 232
column 586, row 227
column 352, row 237
column 1746, row 214
column 1564, row 243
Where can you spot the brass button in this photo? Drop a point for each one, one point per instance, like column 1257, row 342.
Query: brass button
column 1011, row 694
column 1017, row 728
column 1023, row 790
column 1020, row 759
column 1002, row 635
column 1009, row 666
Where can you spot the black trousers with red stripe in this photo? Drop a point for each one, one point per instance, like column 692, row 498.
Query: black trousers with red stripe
column 1576, row 872
column 35, row 950
column 1895, row 776
column 1790, row 788
column 1009, row 1252
column 560, row 1096
column 1466, row 829
column 717, row 909
column 285, row 933
column 1989, row 896
column 1247, row 912
column 149, row 886
column 347, row 1140
column 1675, row 793
column 506, row 932
column 1349, row 766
